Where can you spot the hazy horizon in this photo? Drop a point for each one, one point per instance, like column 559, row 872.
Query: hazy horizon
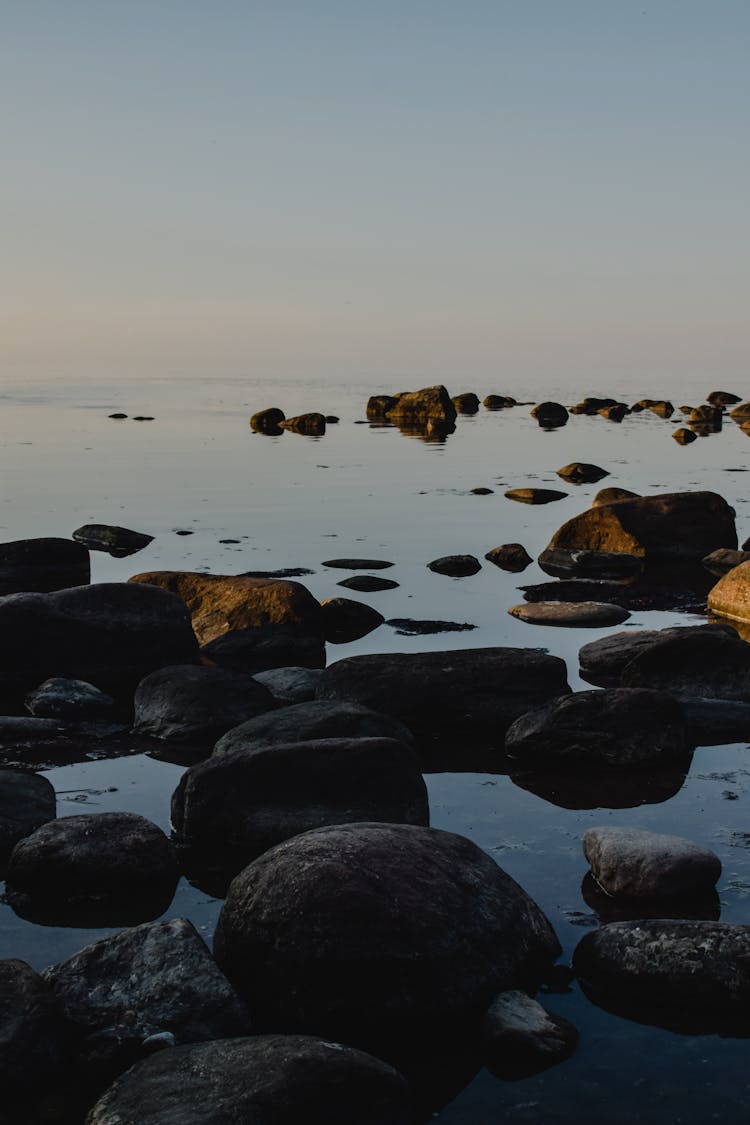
column 373, row 191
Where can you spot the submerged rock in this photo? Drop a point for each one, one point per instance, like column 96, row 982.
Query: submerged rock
column 187, row 703
column 618, row 728
column 476, row 692
column 282, row 1079
column 242, row 803
column 116, row 541
column 42, row 565
column 510, row 556
column 430, row 928
column 631, row 863
column 521, row 1038
column 455, row 566
column 219, row 603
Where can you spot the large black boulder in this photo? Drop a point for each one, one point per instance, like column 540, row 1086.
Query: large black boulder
column 380, row 935
column 263, row 1080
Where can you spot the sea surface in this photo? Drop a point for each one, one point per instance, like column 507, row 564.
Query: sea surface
column 254, row 502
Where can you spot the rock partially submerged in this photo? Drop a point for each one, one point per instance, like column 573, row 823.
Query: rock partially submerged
column 611, row 729
column 42, row 565
column 630, row 863
column 430, row 928
column 282, row 1079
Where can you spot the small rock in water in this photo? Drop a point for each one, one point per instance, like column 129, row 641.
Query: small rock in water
column 535, row 495
column 510, row 556
column 455, row 566
column 583, row 614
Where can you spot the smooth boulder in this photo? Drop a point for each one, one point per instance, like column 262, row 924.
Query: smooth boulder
column 477, row 692
column 219, row 603
column 262, row 1080
column 248, row 801
column 618, row 728
column 429, row 929
column 631, row 863
column 191, row 703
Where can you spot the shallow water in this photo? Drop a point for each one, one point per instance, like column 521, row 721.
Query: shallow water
column 372, row 492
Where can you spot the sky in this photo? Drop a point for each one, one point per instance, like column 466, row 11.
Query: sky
column 362, row 188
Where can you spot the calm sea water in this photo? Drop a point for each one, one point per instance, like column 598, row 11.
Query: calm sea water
column 370, row 491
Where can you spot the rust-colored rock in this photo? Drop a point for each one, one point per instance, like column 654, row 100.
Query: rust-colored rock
column 221, row 602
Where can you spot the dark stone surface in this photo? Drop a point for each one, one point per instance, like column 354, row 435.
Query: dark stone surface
column 455, row 566
column 477, row 692
column 618, row 728
column 116, row 541
column 42, row 565
column 248, row 801
column 263, row 647
column 429, row 929
column 320, row 718
column 191, row 703
column 110, row 634
column 116, row 865
column 510, row 556
column 27, row 801
column 263, row 1080
column 687, row 975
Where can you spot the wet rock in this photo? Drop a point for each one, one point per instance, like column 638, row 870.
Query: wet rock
column 578, row 472
column 477, row 692
column 99, row 860
column 346, row 620
column 243, row 803
column 740, row 413
column 27, row 801
column 672, row 527
column 268, row 420
column 521, row 1038
column 604, row 660
column 455, row 566
column 368, row 583
column 430, row 928
column 631, row 863
column 535, row 495
column 417, row 408
column 290, row 685
column 610, row 495
column 466, row 403
column 42, row 565
column 264, row 647
column 683, row 436
column 614, row 413
column 314, row 720
column 281, row 1078
column 311, row 425
column 109, row 634
column 378, row 406
column 730, row 597
column 550, row 415
column 34, row 1039
column 408, row 627
column 592, row 615
column 722, row 398
column 510, row 556
column 683, row 974
column 498, row 402
column 219, row 603
column 155, row 978
column 357, row 564
column 187, row 703
column 723, row 560
column 620, row 728
column 116, row 541
column 69, row 700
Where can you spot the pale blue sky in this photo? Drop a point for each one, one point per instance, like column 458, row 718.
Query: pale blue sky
column 390, row 190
